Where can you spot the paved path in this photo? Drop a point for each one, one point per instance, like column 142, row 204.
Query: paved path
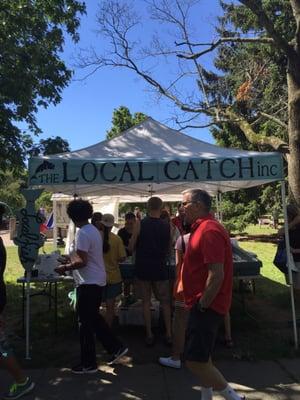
column 6, row 238
column 263, row 380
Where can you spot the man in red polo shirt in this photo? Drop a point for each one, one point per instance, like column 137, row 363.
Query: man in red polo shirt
column 207, row 286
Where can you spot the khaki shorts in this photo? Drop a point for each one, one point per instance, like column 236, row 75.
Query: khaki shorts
column 160, row 289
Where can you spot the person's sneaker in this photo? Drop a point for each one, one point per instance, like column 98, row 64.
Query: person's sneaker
column 169, row 362
column 18, row 390
column 120, row 353
column 80, row 369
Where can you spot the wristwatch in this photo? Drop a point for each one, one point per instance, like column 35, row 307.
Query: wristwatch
column 200, row 306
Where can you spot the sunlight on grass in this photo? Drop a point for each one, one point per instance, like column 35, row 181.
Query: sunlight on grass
column 14, row 270
column 265, row 253
column 259, row 230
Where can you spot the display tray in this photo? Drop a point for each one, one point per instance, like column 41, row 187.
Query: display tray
column 244, row 264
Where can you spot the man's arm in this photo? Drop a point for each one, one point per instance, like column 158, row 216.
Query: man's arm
column 213, row 284
column 134, row 237
column 79, row 262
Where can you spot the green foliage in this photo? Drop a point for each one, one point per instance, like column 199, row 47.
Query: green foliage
column 44, row 201
column 32, row 73
column 129, row 207
column 122, row 120
column 257, row 84
column 10, row 189
column 11, row 181
column 54, row 145
column 270, row 198
column 240, row 209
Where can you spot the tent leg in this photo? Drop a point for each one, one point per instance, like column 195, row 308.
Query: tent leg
column 289, row 261
column 28, row 277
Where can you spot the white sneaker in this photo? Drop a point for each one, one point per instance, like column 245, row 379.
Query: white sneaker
column 169, row 362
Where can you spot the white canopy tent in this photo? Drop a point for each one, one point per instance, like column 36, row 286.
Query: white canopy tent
column 151, row 143
column 153, row 159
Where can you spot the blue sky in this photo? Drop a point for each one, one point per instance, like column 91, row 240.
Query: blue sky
column 85, row 112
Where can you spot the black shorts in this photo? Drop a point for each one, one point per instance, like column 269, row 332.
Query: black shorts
column 201, row 334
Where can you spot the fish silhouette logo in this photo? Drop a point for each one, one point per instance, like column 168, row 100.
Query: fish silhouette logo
column 46, row 165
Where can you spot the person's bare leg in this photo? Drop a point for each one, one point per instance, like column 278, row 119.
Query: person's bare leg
column 179, row 328
column 227, row 326
column 12, row 366
column 211, row 377
column 110, row 311
column 167, row 318
column 146, row 301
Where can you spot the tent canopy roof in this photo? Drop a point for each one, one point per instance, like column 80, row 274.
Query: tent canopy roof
column 151, row 158
column 152, row 140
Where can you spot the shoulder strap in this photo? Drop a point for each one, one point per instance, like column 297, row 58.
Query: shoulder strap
column 182, row 244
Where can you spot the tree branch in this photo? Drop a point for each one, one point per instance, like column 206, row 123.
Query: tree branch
column 202, row 126
column 253, row 137
column 274, row 119
column 217, row 43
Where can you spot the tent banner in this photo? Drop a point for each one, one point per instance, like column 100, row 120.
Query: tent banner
column 58, row 171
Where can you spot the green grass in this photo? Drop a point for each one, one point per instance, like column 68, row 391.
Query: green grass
column 265, row 253
column 14, row 269
column 48, row 348
column 266, row 334
column 259, row 230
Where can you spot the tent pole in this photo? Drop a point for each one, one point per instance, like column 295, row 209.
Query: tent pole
column 220, row 205
column 54, row 225
column 28, row 277
column 289, row 262
column 217, row 207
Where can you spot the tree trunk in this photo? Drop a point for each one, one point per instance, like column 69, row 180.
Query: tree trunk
column 293, row 78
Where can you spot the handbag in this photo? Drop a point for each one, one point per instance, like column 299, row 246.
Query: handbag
column 280, row 260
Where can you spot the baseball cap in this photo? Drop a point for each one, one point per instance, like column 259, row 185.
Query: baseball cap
column 108, row 220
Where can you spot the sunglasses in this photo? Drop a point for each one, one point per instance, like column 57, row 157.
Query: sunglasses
column 185, row 203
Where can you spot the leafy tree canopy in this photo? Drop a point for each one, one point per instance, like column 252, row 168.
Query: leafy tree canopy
column 10, row 189
column 123, row 119
column 32, row 73
column 53, row 145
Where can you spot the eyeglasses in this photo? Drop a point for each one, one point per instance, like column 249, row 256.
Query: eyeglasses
column 185, row 203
